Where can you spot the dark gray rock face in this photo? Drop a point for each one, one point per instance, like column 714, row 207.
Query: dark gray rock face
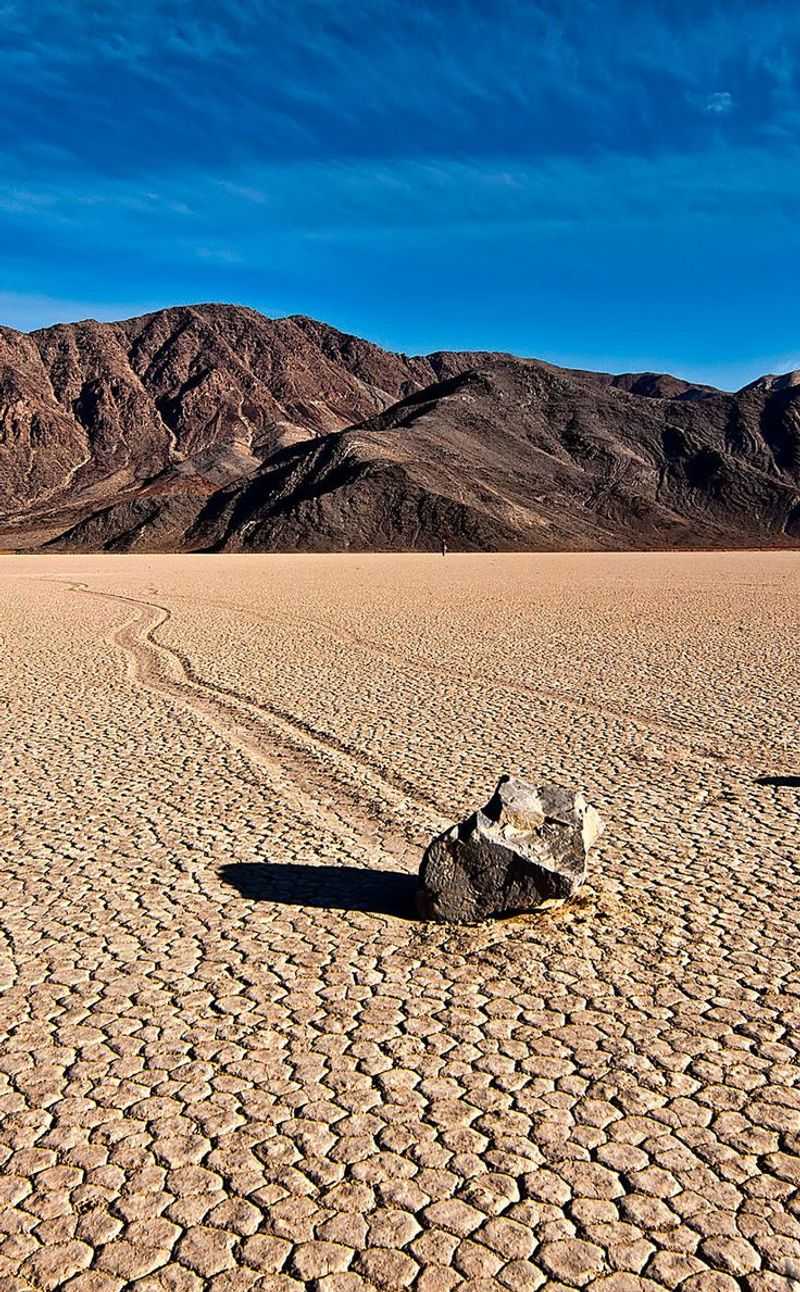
column 526, row 849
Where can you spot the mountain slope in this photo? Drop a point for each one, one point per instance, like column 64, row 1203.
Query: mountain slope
column 514, row 455
column 214, row 428
column 89, row 411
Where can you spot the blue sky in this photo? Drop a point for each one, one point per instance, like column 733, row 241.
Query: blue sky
column 611, row 183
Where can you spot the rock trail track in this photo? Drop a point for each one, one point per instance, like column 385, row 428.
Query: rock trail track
column 296, row 751
column 230, row 1056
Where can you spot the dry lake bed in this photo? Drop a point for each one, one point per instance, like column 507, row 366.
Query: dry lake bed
column 230, row 1055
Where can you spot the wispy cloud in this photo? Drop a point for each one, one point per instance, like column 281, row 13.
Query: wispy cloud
column 218, row 255
column 719, row 102
column 254, row 81
column 445, row 197
column 244, row 191
column 24, row 201
column 194, row 146
column 61, row 200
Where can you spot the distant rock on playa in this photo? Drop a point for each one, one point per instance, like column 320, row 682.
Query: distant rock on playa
column 526, row 849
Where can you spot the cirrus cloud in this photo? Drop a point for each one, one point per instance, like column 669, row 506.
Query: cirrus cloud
column 719, row 102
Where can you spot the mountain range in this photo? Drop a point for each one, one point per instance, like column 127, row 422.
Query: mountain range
column 215, row 428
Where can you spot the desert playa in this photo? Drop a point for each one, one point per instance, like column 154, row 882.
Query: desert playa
column 231, row 1056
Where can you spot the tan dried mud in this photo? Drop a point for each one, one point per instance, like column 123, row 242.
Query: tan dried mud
column 230, row 1056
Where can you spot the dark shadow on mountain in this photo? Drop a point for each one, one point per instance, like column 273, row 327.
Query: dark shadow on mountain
column 780, row 782
column 332, row 888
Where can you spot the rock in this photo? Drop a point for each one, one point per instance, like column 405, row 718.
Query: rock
column 525, row 850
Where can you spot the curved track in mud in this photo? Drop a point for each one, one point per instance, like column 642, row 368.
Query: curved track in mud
column 230, row 1058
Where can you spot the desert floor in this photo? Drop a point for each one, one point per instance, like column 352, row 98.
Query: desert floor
column 230, row 1056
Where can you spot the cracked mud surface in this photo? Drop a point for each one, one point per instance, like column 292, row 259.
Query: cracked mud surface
column 230, row 1056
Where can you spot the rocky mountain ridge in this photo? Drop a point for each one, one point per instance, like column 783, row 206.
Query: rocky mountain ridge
column 213, row 427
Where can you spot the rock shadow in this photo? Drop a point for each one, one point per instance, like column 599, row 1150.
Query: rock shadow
column 785, row 782
column 332, row 888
